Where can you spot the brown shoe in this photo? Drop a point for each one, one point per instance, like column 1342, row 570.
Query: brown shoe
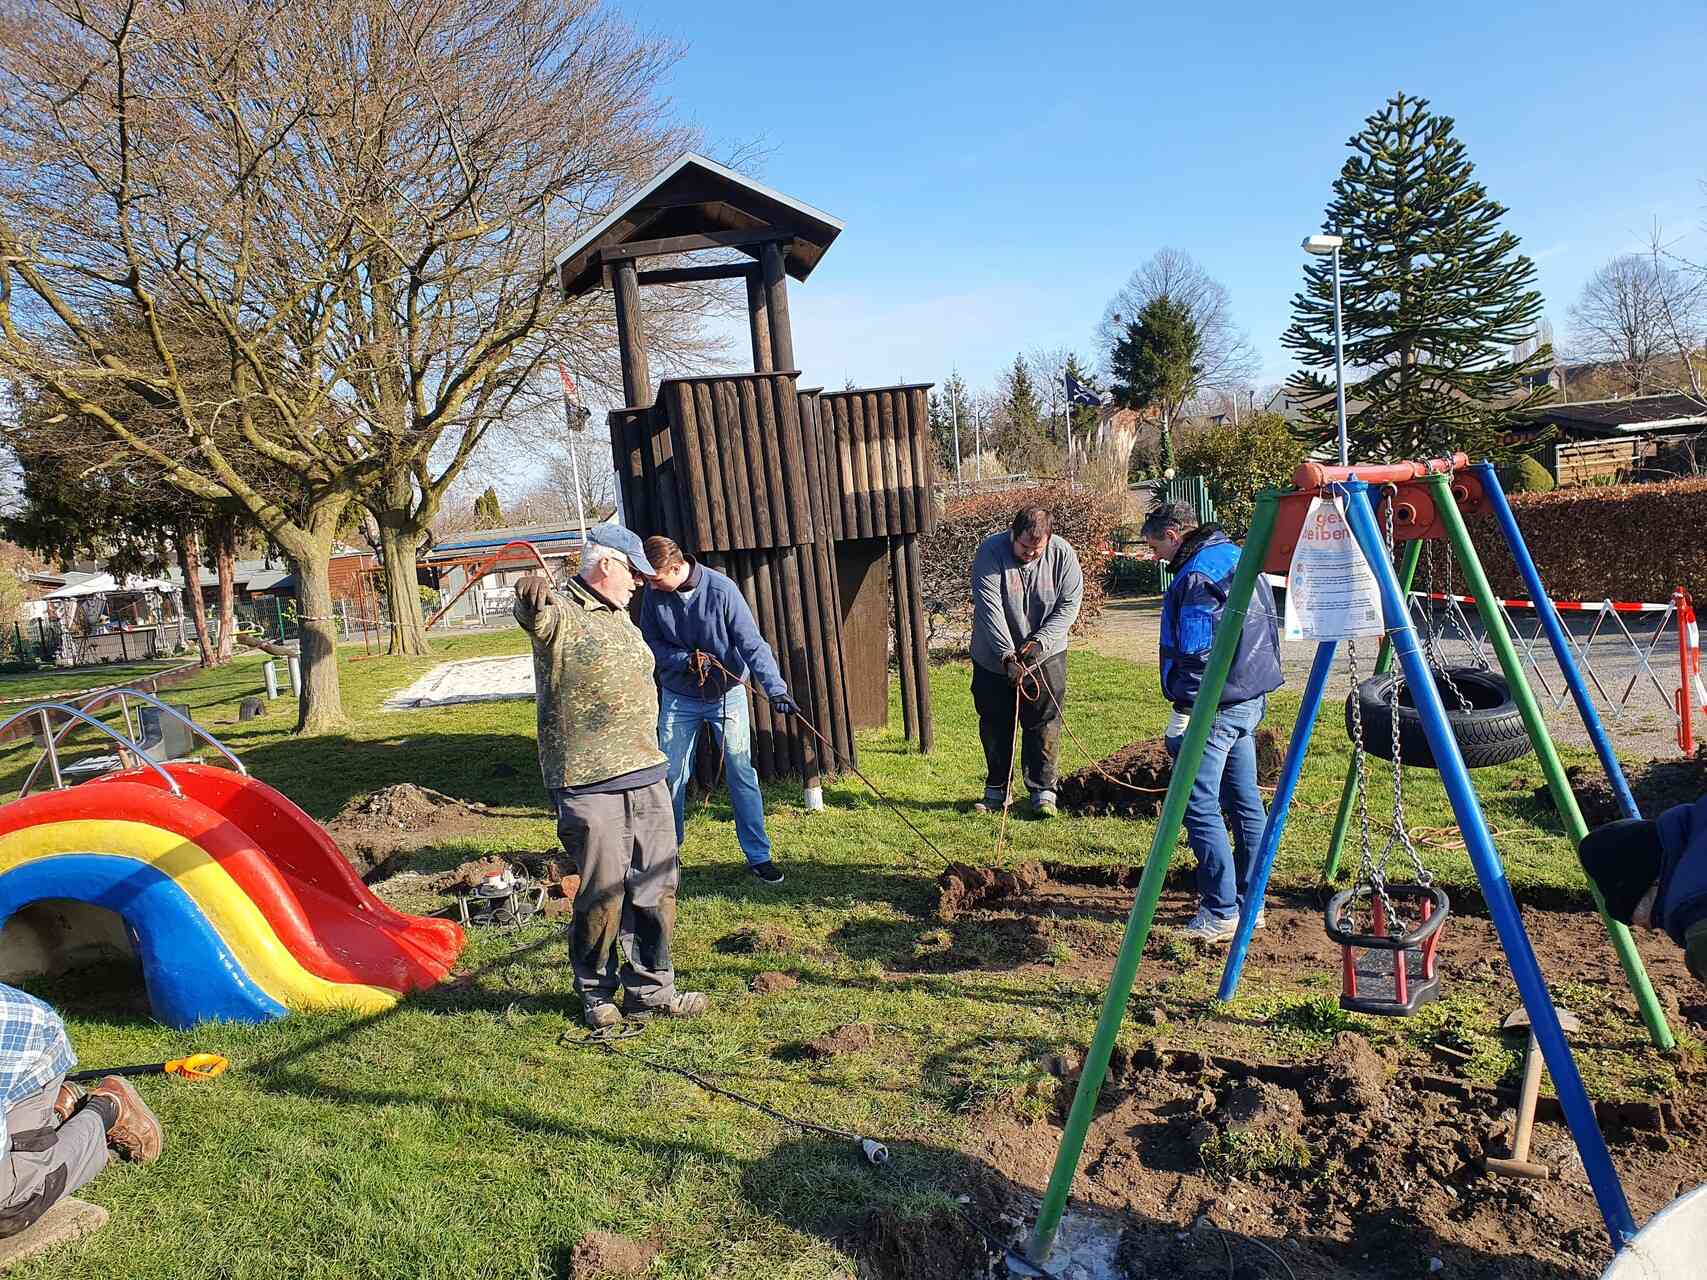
column 136, row 1134
column 70, row 1098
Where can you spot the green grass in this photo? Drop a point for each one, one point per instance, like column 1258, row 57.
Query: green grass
column 455, row 1136
column 52, row 681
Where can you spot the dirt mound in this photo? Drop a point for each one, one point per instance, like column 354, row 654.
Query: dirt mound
column 602, row 1254
column 855, row 1037
column 1657, row 786
column 400, row 807
column 1352, row 1077
column 1133, row 781
column 962, row 887
column 766, row 984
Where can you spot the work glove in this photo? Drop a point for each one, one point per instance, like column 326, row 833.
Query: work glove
column 534, row 591
column 1014, row 667
column 1030, row 652
column 784, row 705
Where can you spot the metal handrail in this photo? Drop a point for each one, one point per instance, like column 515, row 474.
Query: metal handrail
column 200, row 731
column 125, row 744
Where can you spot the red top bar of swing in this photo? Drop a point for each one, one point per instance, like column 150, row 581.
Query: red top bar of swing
column 1313, row 475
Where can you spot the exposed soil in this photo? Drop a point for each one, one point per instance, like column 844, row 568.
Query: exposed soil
column 1235, row 1138
column 1657, row 785
column 769, row 983
column 940, row 1246
column 599, row 1255
column 1133, row 781
column 855, row 1037
column 374, row 829
column 750, row 938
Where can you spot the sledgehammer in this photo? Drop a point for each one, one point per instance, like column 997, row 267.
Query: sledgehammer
column 1519, row 1165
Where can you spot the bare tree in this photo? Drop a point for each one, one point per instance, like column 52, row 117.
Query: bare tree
column 1226, row 359
column 354, row 201
column 1628, row 316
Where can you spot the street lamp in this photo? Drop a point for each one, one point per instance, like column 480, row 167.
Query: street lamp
column 1322, row 247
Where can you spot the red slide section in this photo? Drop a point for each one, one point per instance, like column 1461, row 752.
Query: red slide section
column 334, row 924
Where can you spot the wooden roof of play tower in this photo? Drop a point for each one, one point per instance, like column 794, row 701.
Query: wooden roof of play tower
column 698, row 204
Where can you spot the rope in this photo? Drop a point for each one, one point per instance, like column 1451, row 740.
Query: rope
column 837, row 760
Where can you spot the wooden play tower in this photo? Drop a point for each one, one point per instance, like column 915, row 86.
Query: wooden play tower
column 812, row 501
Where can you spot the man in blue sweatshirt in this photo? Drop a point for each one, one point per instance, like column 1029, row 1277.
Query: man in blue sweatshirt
column 1654, row 873
column 692, row 613
column 1202, row 560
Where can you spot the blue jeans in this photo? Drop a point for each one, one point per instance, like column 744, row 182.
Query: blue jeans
column 679, row 719
column 1226, row 780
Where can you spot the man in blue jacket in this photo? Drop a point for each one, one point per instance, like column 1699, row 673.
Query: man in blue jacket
column 1654, row 873
column 692, row 613
column 1202, row 559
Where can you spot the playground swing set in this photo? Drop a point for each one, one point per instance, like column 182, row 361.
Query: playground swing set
column 1389, row 930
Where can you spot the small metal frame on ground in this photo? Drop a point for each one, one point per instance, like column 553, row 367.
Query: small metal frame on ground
column 1424, row 501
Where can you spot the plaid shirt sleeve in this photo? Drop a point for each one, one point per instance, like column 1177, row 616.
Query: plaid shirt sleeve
column 34, row 1051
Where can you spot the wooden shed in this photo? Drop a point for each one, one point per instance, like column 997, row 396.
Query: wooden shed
column 812, row 501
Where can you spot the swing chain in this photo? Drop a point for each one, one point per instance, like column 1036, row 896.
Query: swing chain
column 1431, row 630
column 1459, row 623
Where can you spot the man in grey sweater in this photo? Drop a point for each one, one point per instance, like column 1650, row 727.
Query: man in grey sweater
column 1026, row 591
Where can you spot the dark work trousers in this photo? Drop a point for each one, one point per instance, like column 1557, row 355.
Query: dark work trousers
column 623, row 844
column 1039, row 723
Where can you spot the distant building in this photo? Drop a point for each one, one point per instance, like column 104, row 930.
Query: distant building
column 1638, row 438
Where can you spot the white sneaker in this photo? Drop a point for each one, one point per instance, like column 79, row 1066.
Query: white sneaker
column 1262, row 920
column 1207, row 928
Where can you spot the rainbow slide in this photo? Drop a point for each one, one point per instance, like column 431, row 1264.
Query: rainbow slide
column 240, row 905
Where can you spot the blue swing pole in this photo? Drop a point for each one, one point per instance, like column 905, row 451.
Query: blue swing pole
column 1496, row 890
column 1275, row 827
column 1556, row 637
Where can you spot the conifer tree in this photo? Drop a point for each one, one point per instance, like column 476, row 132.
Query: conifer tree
column 487, row 513
column 1022, row 436
column 1434, row 293
column 1155, row 364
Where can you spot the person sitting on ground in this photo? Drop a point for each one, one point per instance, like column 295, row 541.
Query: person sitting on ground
column 599, row 756
column 1026, row 592
column 1653, row 873
column 57, row 1136
column 1202, row 559
column 705, row 641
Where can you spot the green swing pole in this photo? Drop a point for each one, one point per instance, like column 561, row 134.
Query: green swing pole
column 1383, row 662
column 1143, row 912
column 1564, row 799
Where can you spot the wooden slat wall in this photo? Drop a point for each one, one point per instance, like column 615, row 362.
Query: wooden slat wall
column 881, row 459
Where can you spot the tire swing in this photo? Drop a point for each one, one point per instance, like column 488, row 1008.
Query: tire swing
column 1387, row 933
column 1480, row 711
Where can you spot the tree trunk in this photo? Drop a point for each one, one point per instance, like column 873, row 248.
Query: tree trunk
column 398, row 546
column 321, row 707
column 189, row 561
column 401, row 528
column 223, row 535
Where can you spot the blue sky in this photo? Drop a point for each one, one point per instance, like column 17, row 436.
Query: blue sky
column 1001, row 168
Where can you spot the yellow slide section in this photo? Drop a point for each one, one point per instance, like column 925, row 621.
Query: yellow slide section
column 231, row 912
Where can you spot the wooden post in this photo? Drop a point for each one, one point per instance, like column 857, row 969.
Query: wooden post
column 630, row 337
column 758, row 322
column 921, row 643
column 904, row 650
column 776, row 304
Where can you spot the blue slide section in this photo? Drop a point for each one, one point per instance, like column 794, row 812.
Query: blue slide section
column 194, row 977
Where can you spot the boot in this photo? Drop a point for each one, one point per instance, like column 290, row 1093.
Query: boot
column 135, row 1134
column 70, row 1098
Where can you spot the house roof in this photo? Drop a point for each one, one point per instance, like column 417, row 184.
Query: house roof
column 1632, row 415
column 697, row 196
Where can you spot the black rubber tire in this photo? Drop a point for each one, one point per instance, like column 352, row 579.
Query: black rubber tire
column 1490, row 733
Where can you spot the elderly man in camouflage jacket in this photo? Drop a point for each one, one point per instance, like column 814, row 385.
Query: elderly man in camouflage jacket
column 598, row 752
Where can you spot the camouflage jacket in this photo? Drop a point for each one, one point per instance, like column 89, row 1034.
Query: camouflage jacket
column 598, row 704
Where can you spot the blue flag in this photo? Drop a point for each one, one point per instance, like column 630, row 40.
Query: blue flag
column 1079, row 393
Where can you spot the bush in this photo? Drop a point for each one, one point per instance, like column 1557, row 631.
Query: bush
column 1237, row 462
column 1083, row 517
column 1625, row 542
column 1526, row 475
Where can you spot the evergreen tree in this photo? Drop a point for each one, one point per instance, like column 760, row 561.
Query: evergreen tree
column 487, row 513
column 1155, row 364
column 1022, row 435
column 947, row 402
column 1434, row 296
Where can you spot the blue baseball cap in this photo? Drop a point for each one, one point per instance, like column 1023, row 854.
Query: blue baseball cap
column 624, row 540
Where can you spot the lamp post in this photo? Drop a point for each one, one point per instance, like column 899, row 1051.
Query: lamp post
column 1322, row 247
